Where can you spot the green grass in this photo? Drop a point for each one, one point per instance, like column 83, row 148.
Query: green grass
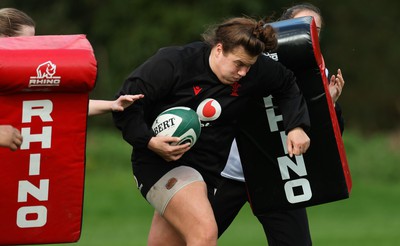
column 116, row 214
column 369, row 217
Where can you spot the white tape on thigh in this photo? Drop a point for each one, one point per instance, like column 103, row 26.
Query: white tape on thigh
column 165, row 188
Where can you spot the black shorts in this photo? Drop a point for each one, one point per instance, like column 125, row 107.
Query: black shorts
column 287, row 227
column 147, row 171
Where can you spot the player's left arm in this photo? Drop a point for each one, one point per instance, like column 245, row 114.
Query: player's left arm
column 10, row 137
column 336, row 84
column 161, row 145
column 97, row 107
column 297, row 141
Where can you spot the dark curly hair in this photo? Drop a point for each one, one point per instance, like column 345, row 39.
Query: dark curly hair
column 289, row 13
column 254, row 36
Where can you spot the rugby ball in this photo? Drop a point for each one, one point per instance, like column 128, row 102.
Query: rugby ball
column 182, row 122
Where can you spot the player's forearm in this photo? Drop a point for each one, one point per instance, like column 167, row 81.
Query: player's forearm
column 97, row 107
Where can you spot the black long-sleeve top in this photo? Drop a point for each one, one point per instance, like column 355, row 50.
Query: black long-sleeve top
column 181, row 76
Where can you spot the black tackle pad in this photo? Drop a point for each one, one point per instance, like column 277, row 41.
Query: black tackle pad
column 321, row 175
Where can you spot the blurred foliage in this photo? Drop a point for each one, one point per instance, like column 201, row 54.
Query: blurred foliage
column 359, row 37
column 373, row 159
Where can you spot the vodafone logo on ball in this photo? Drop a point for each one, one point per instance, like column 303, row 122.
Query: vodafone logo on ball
column 45, row 76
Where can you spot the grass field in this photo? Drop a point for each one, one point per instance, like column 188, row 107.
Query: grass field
column 116, row 214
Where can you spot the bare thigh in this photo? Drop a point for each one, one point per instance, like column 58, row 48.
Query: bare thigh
column 188, row 219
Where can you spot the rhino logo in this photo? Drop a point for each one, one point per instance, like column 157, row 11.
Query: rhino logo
column 45, row 76
column 46, row 70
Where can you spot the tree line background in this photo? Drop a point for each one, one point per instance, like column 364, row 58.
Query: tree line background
column 360, row 37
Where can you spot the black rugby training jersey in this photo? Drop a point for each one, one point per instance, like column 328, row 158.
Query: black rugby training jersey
column 181, row 76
